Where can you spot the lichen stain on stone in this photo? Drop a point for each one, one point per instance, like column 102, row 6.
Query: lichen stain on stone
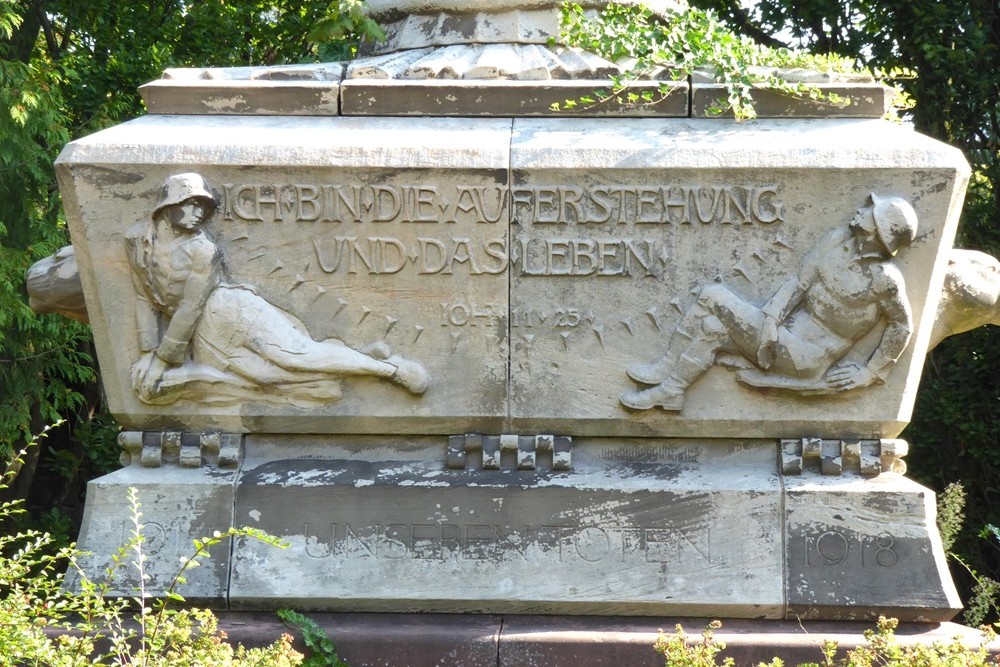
column 222, row 104
column 107, row 177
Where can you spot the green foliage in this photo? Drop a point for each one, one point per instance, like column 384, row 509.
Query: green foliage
column 679, row 44
column 42, row 359
column 94, row 628
column 323, row 652
column 681, row 652
column 983, row 601
column 882, row 650
column 950, row 514
column 343, row 29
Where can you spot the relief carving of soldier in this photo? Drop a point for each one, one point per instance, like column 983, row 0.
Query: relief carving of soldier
column 203, row 337
column 798, row 340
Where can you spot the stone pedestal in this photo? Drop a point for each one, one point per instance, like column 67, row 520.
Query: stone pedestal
column 177, row 505
column 486, row 357
column 687, row 528
column 616, row 534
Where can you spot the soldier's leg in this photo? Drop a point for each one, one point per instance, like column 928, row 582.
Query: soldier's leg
column 278, row 338
column 717, row 316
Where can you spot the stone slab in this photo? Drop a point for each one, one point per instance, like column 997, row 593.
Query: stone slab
column 242, row 97
column 853, row 100
column 630, row 527
column 177, row 505
column 849, row 543
column 384, row 235
column 419, row 640
column 617, row 229
column 414, row 640
column 529, row 641
column 526, row 274
column 686, row 528
column 370, row 97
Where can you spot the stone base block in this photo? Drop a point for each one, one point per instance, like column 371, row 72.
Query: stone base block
column 609, row 536
column 697, row 528
column 367, row 97
column 446, row 640
column 177, row 505
column 851, row 541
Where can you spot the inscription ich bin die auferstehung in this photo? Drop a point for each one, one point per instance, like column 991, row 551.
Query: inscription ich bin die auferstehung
column 598, row 210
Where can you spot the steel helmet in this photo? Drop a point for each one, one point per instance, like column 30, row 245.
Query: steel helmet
column 895, row 221
column 179, row 188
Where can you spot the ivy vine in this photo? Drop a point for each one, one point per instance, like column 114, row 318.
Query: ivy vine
column 673, row 45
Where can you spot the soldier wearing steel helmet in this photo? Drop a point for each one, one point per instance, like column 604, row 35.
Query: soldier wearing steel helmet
column 202, row 337
column 847, row 284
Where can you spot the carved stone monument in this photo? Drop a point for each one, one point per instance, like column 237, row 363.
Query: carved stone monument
column 465, row 353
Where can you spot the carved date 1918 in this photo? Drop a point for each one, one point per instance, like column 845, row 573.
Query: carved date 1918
column 833, row 548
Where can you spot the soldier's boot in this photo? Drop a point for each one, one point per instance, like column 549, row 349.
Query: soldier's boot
column 409, row 374
column 657, row 371
column 669, row 394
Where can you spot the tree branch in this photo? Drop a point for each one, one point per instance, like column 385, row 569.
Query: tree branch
column 741, row 21
column 22, row 42
column 50, row 36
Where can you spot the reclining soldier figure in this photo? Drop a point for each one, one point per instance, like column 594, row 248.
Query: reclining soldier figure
column 797, row 341
column 203, row 337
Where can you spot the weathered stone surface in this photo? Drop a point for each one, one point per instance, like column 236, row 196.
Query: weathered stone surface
column 419, row 23
column 385, row 236
column 633, row 529
column 855, row 550
column 970, row 297
column 547, row 365
column 178, row 505
column 854, row 100
column 507, row 98
column 618, row 231
column 512, row 62
column 241, row 97
column 54, row 286
column 613, row 230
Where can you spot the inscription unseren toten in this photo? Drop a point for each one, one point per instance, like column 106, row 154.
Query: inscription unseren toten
column 491, row 542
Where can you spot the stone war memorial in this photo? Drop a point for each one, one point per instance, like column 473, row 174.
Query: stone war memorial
column 468, row 353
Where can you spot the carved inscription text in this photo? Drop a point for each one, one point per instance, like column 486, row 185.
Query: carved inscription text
column 613, row 227
column 492, row 542
column 833, row 548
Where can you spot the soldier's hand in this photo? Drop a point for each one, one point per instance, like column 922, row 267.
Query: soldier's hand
column 768, row 339
column 149, row 381
column 848, row 375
